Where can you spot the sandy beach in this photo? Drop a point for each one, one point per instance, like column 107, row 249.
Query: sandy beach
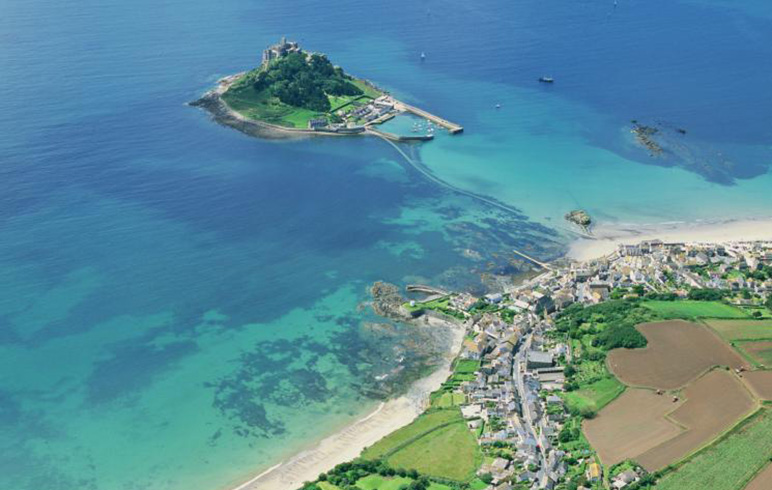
column 607, row 237
column 348, row 443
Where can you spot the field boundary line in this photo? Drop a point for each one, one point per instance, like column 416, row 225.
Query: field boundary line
column 740, row 350
column 753, row 476
column 748, row 419
column 721, row 435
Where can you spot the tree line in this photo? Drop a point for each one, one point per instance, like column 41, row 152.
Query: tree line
column 300, row 80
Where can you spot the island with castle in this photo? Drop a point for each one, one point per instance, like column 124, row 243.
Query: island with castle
column 294, row 91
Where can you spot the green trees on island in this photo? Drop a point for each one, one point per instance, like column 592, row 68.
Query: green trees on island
column 303, row 81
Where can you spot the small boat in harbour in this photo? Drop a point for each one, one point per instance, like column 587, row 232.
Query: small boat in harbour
column 546, row 80
column 423, row 56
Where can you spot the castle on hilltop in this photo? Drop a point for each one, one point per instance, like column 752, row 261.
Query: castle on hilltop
column 279, row 50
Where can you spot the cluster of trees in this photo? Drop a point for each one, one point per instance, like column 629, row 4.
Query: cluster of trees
column 662, row 296
column 482, row 305
column 760, row 274
column 619, row 318
column 345, row 475
column 304, row 81
column 708, row 294
column 568, row 434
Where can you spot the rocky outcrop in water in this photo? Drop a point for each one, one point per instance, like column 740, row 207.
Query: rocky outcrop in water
column 645, row 137
column 580, row 217
column 387, row 301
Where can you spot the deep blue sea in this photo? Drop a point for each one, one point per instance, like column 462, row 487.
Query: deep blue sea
column 181, row 304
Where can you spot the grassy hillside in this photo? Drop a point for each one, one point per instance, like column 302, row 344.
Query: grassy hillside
column 437, row 444
column 449, row 452
column 294, row 89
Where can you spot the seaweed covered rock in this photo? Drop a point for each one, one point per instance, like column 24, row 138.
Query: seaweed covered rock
column 579, row 217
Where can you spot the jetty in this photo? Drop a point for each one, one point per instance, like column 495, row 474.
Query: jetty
column 541, row 264
column 397, row 137
column 422, row 288
column 452, row 128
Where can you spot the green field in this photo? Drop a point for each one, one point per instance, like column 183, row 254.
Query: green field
column 594, row 396
column 437, row 443
column 367, row 89
column 339, row 101
column 438, row 486
column 448, row 399
column 449, row 452
column 325, row 485
column 728, row 464
column 758, row 352
column 441, row 305
column 422, row 425
column 477, row 484
column 378, row 482
column 466, row 366
column 763, row 311
column 694, row 309
column 261, row 106
column 742, row 329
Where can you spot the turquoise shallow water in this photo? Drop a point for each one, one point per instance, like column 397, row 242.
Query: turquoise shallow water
column 181, row 304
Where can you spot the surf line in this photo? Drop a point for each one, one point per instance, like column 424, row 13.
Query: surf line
column 426, row 173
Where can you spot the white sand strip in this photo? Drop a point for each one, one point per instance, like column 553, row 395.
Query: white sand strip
column 609, row 236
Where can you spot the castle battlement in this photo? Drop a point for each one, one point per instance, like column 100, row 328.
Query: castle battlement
column 279, row 50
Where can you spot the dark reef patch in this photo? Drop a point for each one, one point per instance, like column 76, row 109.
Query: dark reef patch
column 669, row 145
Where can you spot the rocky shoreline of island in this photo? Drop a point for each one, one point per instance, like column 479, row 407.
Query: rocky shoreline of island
column 213, row 103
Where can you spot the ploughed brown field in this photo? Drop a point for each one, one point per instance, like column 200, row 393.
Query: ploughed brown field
column 762, row 481
column 677, row 352
column 713, row 404
column 656, row 432
column 632, row 424
column 761, row 384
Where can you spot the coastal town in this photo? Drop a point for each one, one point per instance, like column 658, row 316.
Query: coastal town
column 533, row 381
